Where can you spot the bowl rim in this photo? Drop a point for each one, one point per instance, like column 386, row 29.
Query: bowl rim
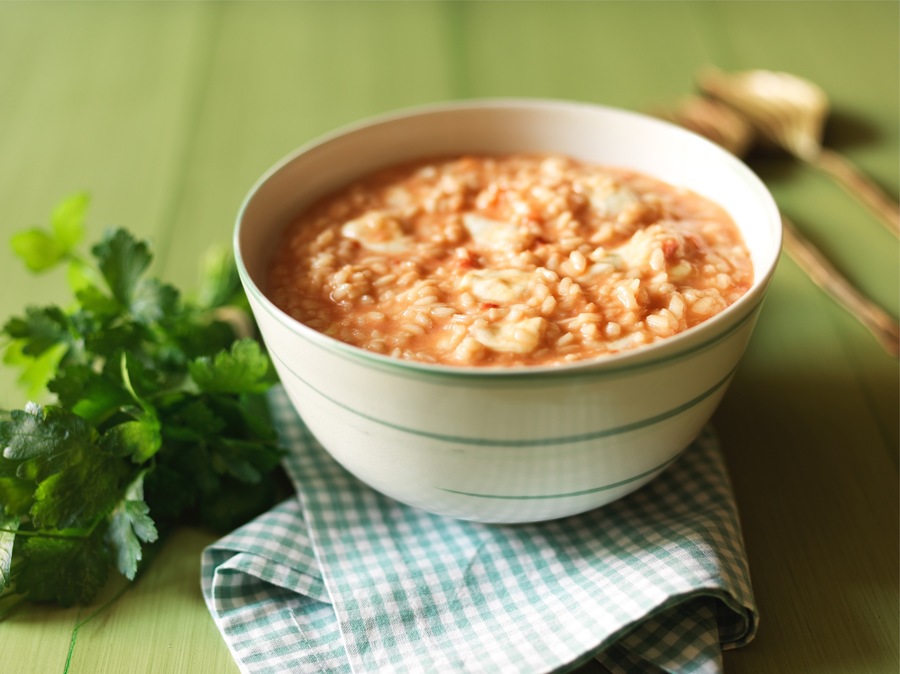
column 700, row 337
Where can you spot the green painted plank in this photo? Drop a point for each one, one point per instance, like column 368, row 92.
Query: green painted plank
column 851, row 50
column 848, row 47
column 285, row 73
column 99, row 96
column 160, row 624
column 629, row 54
column 819, row 515
column 813, row 455
column 855, row 47
column 95, row 96
column 204, row 97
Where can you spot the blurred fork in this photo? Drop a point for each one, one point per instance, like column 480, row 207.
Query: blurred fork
column 720, row 124
column 790, row 111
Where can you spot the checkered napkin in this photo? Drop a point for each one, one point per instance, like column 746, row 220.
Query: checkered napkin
column 344, row 579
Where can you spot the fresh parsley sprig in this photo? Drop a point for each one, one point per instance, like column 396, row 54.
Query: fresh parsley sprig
column 159, row 415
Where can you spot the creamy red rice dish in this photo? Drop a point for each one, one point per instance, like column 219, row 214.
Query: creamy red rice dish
column 508, row 261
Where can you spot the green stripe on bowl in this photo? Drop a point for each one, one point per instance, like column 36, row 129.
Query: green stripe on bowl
column 537, row 442
column 582, row 492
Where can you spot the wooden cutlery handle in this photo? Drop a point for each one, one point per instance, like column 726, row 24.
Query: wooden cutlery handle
column 883, row 326
column 861, row 186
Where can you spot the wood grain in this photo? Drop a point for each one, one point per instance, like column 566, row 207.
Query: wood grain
column 167, row 113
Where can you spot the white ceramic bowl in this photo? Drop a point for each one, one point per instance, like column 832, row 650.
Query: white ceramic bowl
column 507, row 445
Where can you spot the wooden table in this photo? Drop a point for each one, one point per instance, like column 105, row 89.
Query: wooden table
column 167, row 113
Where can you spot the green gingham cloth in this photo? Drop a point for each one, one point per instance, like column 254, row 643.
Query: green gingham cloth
column 344, row 579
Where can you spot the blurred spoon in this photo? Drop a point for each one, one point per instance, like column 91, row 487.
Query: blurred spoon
column 713, row 120
column 790, row 111
column 720, row 124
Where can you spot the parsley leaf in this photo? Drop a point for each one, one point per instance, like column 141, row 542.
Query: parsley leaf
column 34, row 371
column 38, row 248
column 64, row 570
column 130, row 525
column 159, row 420
column 39, row 329
column 15, row 495
column 67, row 221
column 94, row 396
column 76, row 483
column 42, row 249
column 122, row 260
column 152, row 301
column 39, row 432
column 139, row 439
column 85, row 488
column 243, row 369
column 221, row 284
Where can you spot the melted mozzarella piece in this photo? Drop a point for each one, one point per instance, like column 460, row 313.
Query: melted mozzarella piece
column 492, row 234
column 511, row 336
column 610, row 200
column 496, row 285
column 377, row 231
column 647, row 249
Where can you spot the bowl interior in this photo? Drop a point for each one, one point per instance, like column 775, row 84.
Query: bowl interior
column 587, row 132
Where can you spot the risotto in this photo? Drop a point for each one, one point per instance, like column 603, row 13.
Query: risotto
column 508, row 261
